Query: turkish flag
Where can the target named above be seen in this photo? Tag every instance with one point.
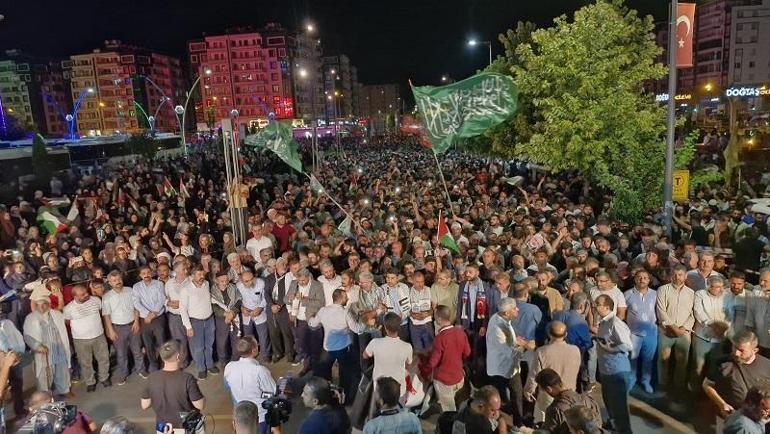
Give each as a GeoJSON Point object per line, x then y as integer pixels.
{"type": "Point", "coordinates": [685, 27]}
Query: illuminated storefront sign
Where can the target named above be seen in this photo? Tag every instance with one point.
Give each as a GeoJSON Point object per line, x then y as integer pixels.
{"type": "Point", "coordinates": [744, 91]}
{"type": "Point", "coordinates": [662, 97]}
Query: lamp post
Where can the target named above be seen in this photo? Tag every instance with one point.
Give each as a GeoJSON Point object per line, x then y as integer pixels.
{"type": "Point", "coordinates": [71, 118]}
{"type": "Point", "coordinates": [474, 42]}
{"type": "Point", "coordinates": [181, 111]}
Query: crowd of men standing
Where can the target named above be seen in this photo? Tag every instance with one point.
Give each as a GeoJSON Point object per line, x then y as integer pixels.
{"type": "Point", "coordinates": [540, 300]}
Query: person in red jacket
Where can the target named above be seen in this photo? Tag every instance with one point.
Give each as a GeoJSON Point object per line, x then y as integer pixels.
{"type": "Point", "coordinates": [449, 349]}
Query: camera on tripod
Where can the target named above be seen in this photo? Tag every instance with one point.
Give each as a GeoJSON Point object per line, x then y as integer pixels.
{"type": "Point", "coordinates": [51, 418]}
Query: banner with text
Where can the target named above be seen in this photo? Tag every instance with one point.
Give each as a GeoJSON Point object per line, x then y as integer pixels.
{"type": "Point", "coordinates": [466, 108]}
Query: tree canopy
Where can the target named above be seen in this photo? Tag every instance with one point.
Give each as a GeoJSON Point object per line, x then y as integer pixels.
{"type": "Point", "coordinates": [589, 110]}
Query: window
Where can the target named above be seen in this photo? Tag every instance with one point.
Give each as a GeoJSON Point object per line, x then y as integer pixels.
{"type": "Point", "coordinates": [193, 58]}
{"type": "Point", "coordinates": [274, 77]}
{"type": "Point", "coordinates": [737, 65]}
{"type": "Point", "coordinates": [275, 88]}
{"type": "Point", "coordinates": [751, 64]}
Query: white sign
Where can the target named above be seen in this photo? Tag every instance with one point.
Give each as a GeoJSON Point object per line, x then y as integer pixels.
{"type": "Point", "coordinates": [747, 91]}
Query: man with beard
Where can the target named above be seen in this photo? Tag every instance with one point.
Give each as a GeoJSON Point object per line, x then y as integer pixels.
{"type": "Point", "coordinates": [728, 387]}
{"type": "Point", "coordinates": [278, 324]}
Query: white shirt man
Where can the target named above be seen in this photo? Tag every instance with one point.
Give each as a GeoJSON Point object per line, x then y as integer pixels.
{"type": "Point", "coordinates": [195, 302]}
{"type": "Point", "coordinates": [121, 321]}
{"type": "Point", "coordinates": [330, 281]}
{"type": "Point", "coordinates": [257, 242]}
{"type": "Point", "coordinates": [247, 379]}
{"type": "Point", "coordinates": [391, 354]}
{"type": "Point", "coordinates": [85, 318]}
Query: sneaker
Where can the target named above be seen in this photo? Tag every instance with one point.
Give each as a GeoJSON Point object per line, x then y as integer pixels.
{"type": "Point", "coordinates": [202, 375]}
{"type": "Point", "coordinates": [143, 374]}
{"type": "Point", "coordinates": [648, 389]}
{"type": "Point", "coordinates": [107, 383]}
{"type": "Point", "coordinates": [122, 382]}
{"type": "Point", "coordinates": [214, 370]}
{"type": "Point", "coordinates": [91, 388]}
{"type": "Point", "coordinates": [296, 362]}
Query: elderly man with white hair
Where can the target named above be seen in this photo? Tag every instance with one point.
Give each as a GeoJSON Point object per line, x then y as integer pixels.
{"type": "Point", "coordinates": [46, 334]}
{"type": "Point", "coordinates": [710, 321]}
{"type": "Point", "coordinates": [504, 350]}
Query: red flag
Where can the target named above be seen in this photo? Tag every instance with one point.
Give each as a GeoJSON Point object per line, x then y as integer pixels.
{"type": "Point", "coordinates": [445, 237]}
{"type": "Point", "coordinates": [685, 27]}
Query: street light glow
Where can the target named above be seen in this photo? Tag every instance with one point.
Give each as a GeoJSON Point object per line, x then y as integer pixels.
{"type": "Point", "coordinates": [329, 97]}
{"type": "Point", "coordinates": [303, 72]}
{"type": "Point", "coordinates": [207, 71]}
{"type": "Point", "coordinates": [90, 90]}
{"type": "Point", "coordinates": [472, 42]}
{"type": "Point", "coordinates": [310, 27]}
{"type": "Point", "coordinates": [709, 86]}
{"type": "Point", "coordinates": [443, 78]}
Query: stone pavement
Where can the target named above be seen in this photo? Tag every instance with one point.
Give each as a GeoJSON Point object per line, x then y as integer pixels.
{"type": "Point", "coordinates": [124, 401]}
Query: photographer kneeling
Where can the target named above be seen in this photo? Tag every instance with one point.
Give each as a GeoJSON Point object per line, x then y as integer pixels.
{"type": "Point", "coordinates": [328, 416]}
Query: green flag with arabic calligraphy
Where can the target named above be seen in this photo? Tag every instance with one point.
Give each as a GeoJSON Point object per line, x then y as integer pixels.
{"type": "Point", "coordinates": [277, 137]}
{"type": "Point", "coordinates": [466, 108]}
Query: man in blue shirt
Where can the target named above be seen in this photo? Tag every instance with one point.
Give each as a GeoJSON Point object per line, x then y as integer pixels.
{"type": "Point", "coordinates": [392, 418]}
{"type": "Point", "coordinates": [614, 345]}
{"type": "Point", "coordinates": [579, 334]}
{"type": "Point", "coordinates": [528, 324]}
{"type": "Point", "coordinates": [644, 332]}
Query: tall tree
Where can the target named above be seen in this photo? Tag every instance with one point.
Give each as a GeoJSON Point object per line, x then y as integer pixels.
{"type": "Point", "coordinates": [41, 165]}
{"type": "Point", "coordinates": [585, 80]}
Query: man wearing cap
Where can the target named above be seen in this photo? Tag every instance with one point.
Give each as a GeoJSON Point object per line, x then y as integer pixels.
{"type": "Point", "coordinates": [46, 335]}
{"type": "Point", "coordinates": [150, 301]}
{"type": "Point", "coordinates": [226, 302]}
{"type": "Point", "coordinates": [278, 324]}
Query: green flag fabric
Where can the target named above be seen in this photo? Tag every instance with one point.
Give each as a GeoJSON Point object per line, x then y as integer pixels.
{"type": "Point", "coordinates": [466, 108]}
{"type": "Point", "coordinates": [277, 137]}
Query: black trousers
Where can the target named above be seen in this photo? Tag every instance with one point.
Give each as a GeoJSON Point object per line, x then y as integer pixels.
{"type": "Point", "coordinates": [281, 334]}
{"type": "Point", "coordinates": [511, 393]}
{"type": "Point", "coordinates": [153, 336]}
{"type": "Point", "coordinates": [16, 381]}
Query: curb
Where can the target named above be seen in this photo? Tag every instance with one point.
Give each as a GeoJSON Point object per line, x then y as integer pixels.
{"type": "Point", "coordinates": [637, 406]}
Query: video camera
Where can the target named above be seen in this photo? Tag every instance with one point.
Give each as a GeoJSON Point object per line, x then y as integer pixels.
{"type": "Point", "coordinates": [277, 404]}
{"type": "Point", "coordinates": [192, 421]}
{"type": "Point", "coordinates": [52, 418]}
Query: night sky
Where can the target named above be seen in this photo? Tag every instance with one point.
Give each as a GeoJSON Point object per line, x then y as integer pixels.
{"type": "Point", "coordinates": [388, 40]}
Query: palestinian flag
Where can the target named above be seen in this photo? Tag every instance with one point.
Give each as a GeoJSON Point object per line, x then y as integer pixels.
{"type": "Point", "coordinates": [183, 193]}
{"type": "Point", "coordinates": [445, 237]}
{"type": "Point", "coordinates": [50, 223]}
{"type": "Point", "coordinates": [168, 189]}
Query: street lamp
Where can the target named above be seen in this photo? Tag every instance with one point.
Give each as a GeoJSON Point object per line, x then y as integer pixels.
{"type": "Point", "coordinates": [70, 118]}
{"type": "Point", "coordinates": [444, 78]}
{"type": "Point", "coordinates": [475, 42]}
{"type": "Point", "coordinates": [182, 111]}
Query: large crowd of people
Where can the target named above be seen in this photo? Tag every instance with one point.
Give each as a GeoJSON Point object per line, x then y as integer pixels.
{"type": "Point", "coordinates": [540, 297]}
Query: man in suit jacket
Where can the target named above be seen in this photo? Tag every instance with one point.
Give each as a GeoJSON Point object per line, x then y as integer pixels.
{"type": "Point", "coordinates": [559, 356]}
{"type": "Point", "coordinates": [306, 298]}
{"type": "Point", "coordinates": [278, 323]}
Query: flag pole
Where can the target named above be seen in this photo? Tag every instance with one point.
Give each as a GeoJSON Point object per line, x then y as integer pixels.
{"type": "Point", "coordinates": [326, 192]}
{"type": "Point", "coordinates": [443, 181]}
{"type": "Point", "coordinates": [668, 203]}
